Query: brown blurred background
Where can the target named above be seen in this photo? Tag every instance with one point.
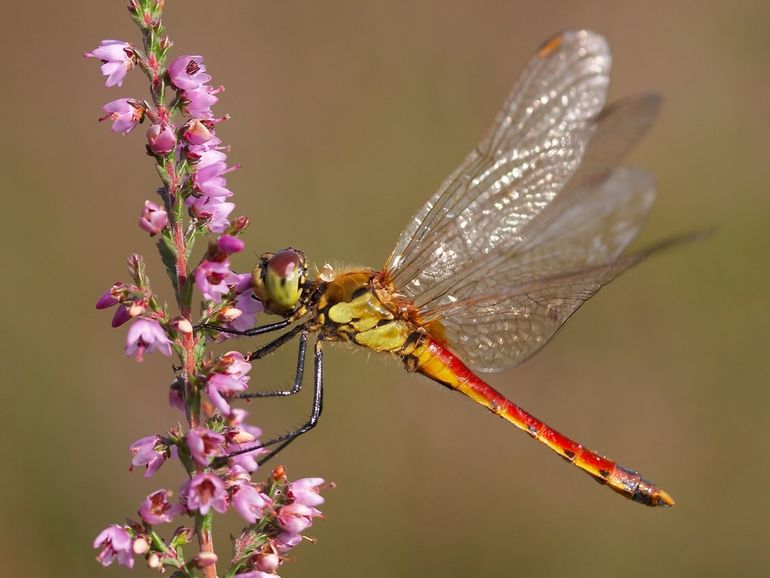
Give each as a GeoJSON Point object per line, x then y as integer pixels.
{"type": "Point", "coordinates": [346, 116]}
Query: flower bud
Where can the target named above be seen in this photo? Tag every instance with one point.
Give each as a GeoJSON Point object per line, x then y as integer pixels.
{"type": "Point", "coordinates": [238, 225]}
{"type": "Point", "coordinates": [229, 314]}
{"type": "Point", "coordinates": [243, 437]}
{"type": "Point", "coordinates": [137, 308]}
{"type": "Point", "coordinates": [268, 562]}
{"type": "Point", "coordinates": [182, 325]}
{"type": "Point", "coordinates": [153, 561]}
{"type": "Point", "coordinates": [161, 139]}
{"type": "Point", "coordinates": [154, 218]}
{"type": "Point", "coordinates": [279, 474]}
{"type": "Point", "coordinates": [141, 546]}
{"type": "Point", "coordinates": [197, 132]}
{"type": "Point", "coordinates": [121, 316]}
{"type": "Point", "coordinates": [107, 299]}
{"type": "Point", "coordinates": [136, 265]}
{"type": "Point", "coordinates": [229, 244]}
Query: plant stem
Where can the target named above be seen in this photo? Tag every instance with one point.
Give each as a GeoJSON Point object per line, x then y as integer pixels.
{"type": "Point", "coordinates": [205, 542]}
{"type": "Point", "coordinates": [189, 361]}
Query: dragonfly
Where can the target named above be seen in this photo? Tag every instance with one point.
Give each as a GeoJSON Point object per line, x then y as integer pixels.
{"type": "Point", "coordinates": [532, 223]}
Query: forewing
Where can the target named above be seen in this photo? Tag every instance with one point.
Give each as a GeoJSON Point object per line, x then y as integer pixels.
{"type": "Point", "coordinates": [533, 148]}
{"type": "Point", "coordinates": [597, 213]}
{"type": "Point", "coordinates": [590, 226]}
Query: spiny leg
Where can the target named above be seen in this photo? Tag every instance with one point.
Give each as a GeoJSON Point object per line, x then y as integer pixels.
{"type": "Point", "coordinates": [315, 413]}
{"type": "Point", "coordinates": [276, 343]}
{"type": "Point", "coordinates": [254, 331]}
{"type": "Point", "coordinates": [287, 438]}
{"type": "Point", "coordinates": [298, 376]}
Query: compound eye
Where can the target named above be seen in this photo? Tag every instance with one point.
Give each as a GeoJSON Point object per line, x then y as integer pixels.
{"type": "Point", "coordinates": [284, 278]}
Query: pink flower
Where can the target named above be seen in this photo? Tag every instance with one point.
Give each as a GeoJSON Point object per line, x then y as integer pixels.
{"type": "Point", "coordinates": [296, 517]}
{"type": "Point", "coordinates": [124, 113]}
{"type": "Point", "coordinates": [236, 421]}
{"type": "Point", "coordinates": [229, 244]}
{"type": "Point", "coordinates": [212, 277]}
{"type": "Point", "coordinates": [208, 180]}
{"type": "Point", "coordinates": [188, 72]}
{"type": "Point", "coordinates": [203, 492]}
{"type": "Point", "coordinates": [156, 508]}
{"type": "Point", "coordinates": [208, 153]}
{"type": "Point", "coordinates": [161, 138]}
{"type": "Point", "coordinates": [154, 218]}
{"type": "Point", "coordinates": [248, 502]}
{"type": "Point", "coordinates": [285, 541]}
{"type": "Point", "coordinates": [204, 444]}
{"type": "Point", "coordinates": [247, 303]}
{"type": "Point", "coordinates": [305, 491]}
{"type": "Point", "coordinates": [116, 544]}
{"type": "Point", "coordinates": [220, 385]}
{"type": "Point", "coordinates": [148, 451]}
{"type": "Point", "coordinates": [247, 461]}
{"type": "Point", "coordinates": [268, 561]}
{"type": "Point", "coordinates": [215, 209]}
{"type": "Point", "coordinates": [197, 133]}
{"type": "Point", "coordinates": [256, 574]}
{"type": "Point", "coordinates": [228, 381]}
{"type": "Point", "coordinates": [197, 102]}
{"type": "Point", "coordinates": [234, 363]}
{"type": "Point", "coordinates": [240, 436]}
{"type": "Point", "coordinates": [175, 398]}
{"type": "Point", "coordinates": [117, 59]}
{"type": "Point", "coordinates": [146, 335]}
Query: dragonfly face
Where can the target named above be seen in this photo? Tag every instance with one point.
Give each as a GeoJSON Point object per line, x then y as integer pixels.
{"type": "Point", "coordinates": [279, 281]}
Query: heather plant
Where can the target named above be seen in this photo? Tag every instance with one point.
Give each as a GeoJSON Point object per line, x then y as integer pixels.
{"type": "Point", "coordinates": [215, 446]}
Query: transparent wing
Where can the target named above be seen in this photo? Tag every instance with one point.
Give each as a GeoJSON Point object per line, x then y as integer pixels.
{"type": "Point", "coordinates": [496, 332]}
{"type": "Point", "coordinates": [492, 333]}
{"type": "Point", "coordinates": [597, 213]}
{"type": "Point", "coordinates": [496, 321]}
{"type": "Point", "coordinates": [532, 150]}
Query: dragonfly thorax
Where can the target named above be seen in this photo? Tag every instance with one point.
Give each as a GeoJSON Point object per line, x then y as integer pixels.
{"type": "Point", "coordinates": [279, 280]}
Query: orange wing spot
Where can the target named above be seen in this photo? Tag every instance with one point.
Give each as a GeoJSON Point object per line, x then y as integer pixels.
{"type": "Point", "coordinates": [550, 46]}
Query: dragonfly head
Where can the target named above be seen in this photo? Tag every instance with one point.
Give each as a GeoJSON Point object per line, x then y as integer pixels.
{"type": "Point", "coordinates": [279, 280]}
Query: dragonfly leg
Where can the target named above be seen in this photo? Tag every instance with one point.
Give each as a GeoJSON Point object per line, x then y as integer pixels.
{"type": "Point", "coordinates": [298, 376]}
{"type": "Point", "coordinates": [315, 413]}
{"type": "Point", "coordinates": [276, 343]}
{"type": "Point", "coordinates": [248, 332]}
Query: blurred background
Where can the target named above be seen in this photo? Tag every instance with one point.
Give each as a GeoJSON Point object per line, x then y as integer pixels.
{"type": "Point", "coordinates": [346, 116]}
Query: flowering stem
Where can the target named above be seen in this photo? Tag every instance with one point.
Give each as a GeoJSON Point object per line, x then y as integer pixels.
{"type": "Point", "coordinates": [217, 449]}
{"type": "Point", "coordinates": [205, 541]}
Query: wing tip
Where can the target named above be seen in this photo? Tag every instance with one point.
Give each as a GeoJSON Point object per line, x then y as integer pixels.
{"type": "Point", "coordinates": [583, 37]}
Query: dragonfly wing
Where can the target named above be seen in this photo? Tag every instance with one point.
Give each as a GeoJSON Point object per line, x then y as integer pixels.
{"type": "Point", "coordinates": [495, 319]}
{"type": "Point", "coordinates": [590, 227]}
{"type": "Point", "coordinates": [533, 148]}
{"type": "Point", "coordinates": [493, 333]}
{"type": "Point", "coordinates": [596, 214]}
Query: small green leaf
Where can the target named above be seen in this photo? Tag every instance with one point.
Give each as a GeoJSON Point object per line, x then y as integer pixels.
{"type": "Point", "coordinates": [167, 252]}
